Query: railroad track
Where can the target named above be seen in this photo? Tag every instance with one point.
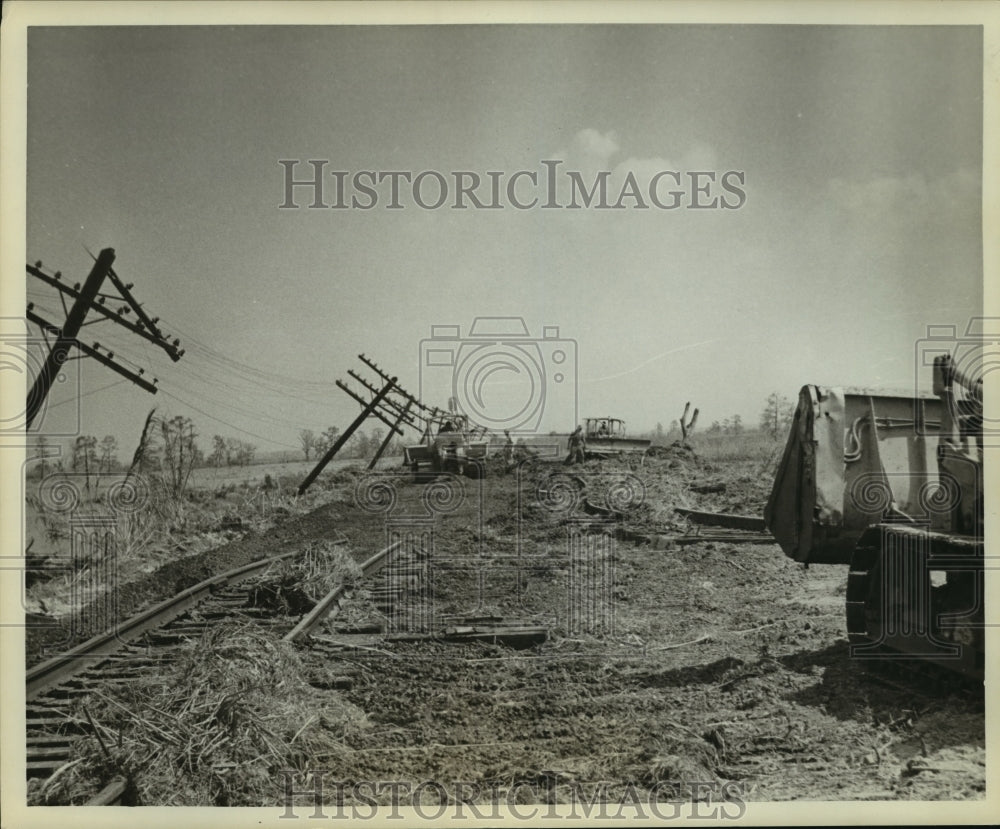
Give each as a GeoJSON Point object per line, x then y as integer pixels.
{"type": "Point", "coordinates": [701, 527]}
{"type": "Point", "coordinates": [148, 641]}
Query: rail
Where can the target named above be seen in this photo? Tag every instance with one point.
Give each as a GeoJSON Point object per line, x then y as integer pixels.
{"type": "Point", "coordinates": [51, 672]}
{"type": "Point", "coordinates": [331, 603]}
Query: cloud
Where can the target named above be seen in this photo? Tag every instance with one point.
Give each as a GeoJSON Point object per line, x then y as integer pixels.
{"type": "Point", "coordinates": [590, 142]}
{"type": "Point", "coordinates": [592, 152]}
{"type": "Point", "coordinates": [908, 198]}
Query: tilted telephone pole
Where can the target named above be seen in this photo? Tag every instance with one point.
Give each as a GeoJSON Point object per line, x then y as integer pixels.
{"type": "Point", "coordinates": [333, 450]}
{"type": "Point", "coordinates": [85, 300]}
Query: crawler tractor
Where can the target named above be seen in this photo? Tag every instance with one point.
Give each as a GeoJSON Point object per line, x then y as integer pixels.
{"type": "Point", "coordinates": [893, 487]}
{"type": "Point", "coordinates": [448, 444]}
{"type": "Point", "coordinates": [606, 436]}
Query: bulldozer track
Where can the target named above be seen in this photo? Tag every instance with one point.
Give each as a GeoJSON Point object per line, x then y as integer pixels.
{"type": "Point", "coordinates": [148, 642]}
{"type": "Point", "coordinates": [867, 639]}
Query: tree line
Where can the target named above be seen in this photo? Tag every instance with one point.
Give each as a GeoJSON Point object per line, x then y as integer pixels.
{"type": "Point", "coordinates": [169, 445]}
{"type": "Point", "coordinates": [775, 420]}
{"type": "Point", "coordinates": [360, 445]}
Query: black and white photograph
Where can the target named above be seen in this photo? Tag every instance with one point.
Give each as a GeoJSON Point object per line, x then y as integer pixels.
{"type": "Point", "coordinates": [498, 413]}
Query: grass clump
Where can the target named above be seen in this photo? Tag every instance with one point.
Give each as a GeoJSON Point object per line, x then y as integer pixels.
{"type": "Point", "coordinates": [295, 585]}
{"type": "Point", "coordinates": [221, 729]}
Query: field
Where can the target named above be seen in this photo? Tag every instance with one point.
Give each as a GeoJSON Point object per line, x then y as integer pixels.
{"type": "Point", "coordinates": [219, 504]}
{"type": "Point", "coordinates": [667, 667]}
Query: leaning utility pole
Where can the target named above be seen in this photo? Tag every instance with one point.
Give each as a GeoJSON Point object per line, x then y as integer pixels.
{"type": "Point", "coordinates": [89, 298]}
{"type": "Point", "coordinates": [407, 411]}
{"type": "Point", "coordinates": [333, 450]}
{"type": "Point", "coordinates": [67, 337]}
{"type": "Point", "coordinates": [388, 437]}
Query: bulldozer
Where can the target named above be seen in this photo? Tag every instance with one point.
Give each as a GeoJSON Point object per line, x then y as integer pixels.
{"type": "Point", "coordinates": [892, 486]}
{"type": "Point", "coordinates": [449, 443]}
{"type": "Point", "coordinates": [606, 436]}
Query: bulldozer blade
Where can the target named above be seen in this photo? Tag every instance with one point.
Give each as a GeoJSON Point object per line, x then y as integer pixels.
{"type": "Point", "coordinates": [851, 457]}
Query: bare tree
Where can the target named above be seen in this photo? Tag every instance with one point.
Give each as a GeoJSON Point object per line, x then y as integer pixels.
{"type": "Point", "coordinates": [357, 446]}
{"type": "Point", "coordinates": [179, 451]}
{"type": "Point", "coordinates": [109, 453]}
{"type": "Point", "coordinates": [308, 440]}
{"type": "Point", "coordinates": [687, 428]}
{"type": "Point", "coordinates": [85, 457]}
{"type": "Point", "coordinates": [218, 456]}
{"type": "Point", "coordinates": [84, 453]}
{"type": "Point", "coordinates": [239, 452]}
{"type": "Point", "coordinates": [328, 438]}
{"type": "Point", "coordinates": [247, 453]}
{"type": "Point", "coordinates": [42, 453]}
{"type": "Point", "coordinates": [777, 415]}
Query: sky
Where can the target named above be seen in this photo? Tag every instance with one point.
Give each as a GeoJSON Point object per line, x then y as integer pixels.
{"type": "Point", "coordinates": [855, 154]}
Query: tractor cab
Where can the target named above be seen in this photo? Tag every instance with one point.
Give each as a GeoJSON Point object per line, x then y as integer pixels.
{"type": "Point", "coordinates": [606, 436]}
{"type": "Point", "coordinates": [604, 427]}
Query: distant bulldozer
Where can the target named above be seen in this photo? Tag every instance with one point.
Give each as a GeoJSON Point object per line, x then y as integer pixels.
{"type": "Point", "coordinates": [606, 436]}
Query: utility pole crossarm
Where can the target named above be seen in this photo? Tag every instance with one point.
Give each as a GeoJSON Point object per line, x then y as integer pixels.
{"type": "Point", "coordinates": [97, 355]}
{"type": "Point", "coordinates": [388, 402]}
{"type": "Point", "coordinates": [126, 292]}
{"type": "Point", "coordinates": [156, 338]}
{"type": "Point", "coordinates": [375, 410]}
{"type": "Point", "coordinates": [398, 389]}
{"type": "Point", "coordinates": [87, 298]}
{"type": "Point", "coordinates": [430, 411]}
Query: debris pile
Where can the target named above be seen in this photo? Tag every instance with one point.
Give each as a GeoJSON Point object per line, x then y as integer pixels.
{"type": "Point", "coordinates": [233, 712]}
{"type": "Point", "coordinates": [295, 585]}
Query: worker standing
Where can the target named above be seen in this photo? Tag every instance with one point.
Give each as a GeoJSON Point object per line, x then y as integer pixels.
{"type": "Point", "coordinates": [577, 444]}
{"type": "Point", "coordinates": [508, 449]}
